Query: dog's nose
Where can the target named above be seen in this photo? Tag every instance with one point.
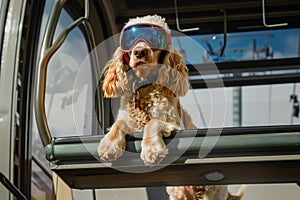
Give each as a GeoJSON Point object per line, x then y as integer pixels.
{"type": "Point", "coordinates": [140, 52]}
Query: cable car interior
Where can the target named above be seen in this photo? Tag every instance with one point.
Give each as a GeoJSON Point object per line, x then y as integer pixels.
{"type": "Point", "coordinates": [243, 59]}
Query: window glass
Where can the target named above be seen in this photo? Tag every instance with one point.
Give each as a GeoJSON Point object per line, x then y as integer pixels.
{"type": "Point", "coordinates": [1, 28]}
{"type": "Point", "coordinates": [69, 105]}
{"type": "Point", "coordinates": [0, 4]}
{"type": "Point", "coordinates": [243, 106]}
{"type": "Point", "coordinates": [63, 94]}
{"type": "Point", "coordinates": [273, 44]}
{"type": "Point", "coordinates": [41, 183]}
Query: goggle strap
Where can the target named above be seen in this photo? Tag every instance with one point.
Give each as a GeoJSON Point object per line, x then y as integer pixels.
{"type": "Point", "coordinates": [162, 56]}
{"type": "Point", "coordinates": [126, 57]}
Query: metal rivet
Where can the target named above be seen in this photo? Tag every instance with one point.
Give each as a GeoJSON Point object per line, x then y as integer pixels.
{"type": "Point", "coordinates": [214, 176]}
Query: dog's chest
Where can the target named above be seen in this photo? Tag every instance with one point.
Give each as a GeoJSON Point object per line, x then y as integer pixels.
{"type": "Point", "coordinates": [143, 107]}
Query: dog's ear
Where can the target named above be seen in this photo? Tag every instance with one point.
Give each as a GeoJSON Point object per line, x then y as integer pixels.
{"type": "Point", "coordinates": [115, 80]}
{"type": "Point", "coordinates": [173, 75]}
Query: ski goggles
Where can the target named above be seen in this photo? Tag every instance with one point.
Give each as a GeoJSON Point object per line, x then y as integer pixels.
{"type": "Point", "coordinates": [153, 35]}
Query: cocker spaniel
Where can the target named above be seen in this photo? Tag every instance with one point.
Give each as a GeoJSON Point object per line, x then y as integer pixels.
{"type": "Point", "coordinates": [149, 76]}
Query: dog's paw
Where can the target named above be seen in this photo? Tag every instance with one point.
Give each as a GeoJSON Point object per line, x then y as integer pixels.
{"type": "Point", "coordinates": [111, 150]}
{"type": "Point", "coordinates": [153, 151]}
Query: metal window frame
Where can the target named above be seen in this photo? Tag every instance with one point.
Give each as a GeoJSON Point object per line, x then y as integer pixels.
{"type": "Point", "coordinates": [266, 154]}
{"type": "Point", "coordinates": [13, 189]}
{"type": "Point", "coordinates": [79, 169]}
{"type": "Point", "coordinates": [48, 49]}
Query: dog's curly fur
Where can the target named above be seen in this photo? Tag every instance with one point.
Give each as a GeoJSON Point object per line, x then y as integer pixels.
{"type": "Point", "coordinates": [208, 192]}
{"type": "Point", "coordinates": [159, 111]}
{"type": "Point", "coordinates": [153, 109]}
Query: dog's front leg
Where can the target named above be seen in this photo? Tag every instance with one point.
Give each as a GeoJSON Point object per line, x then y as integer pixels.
{"type": "Point", "coordinates": [113, 144]}
{"type": "Point", "coordinates": [153, 146]}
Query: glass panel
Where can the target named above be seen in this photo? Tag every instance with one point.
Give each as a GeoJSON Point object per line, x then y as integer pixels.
{"type": "Point", "coordinates": [1, 28]}
{"type": "Point", "coordinates": [63, 93]}
{"type": "Point", "coordinates": [269, 105]}
{"type": "Point", "coordinates": [243, 106]}
{"type": "Point", "coordinates": [83, 194]}
{"type": "Point", "coordinates": [122, 194]}
{"type": "Point", "coordinates": [273, 44]}
{"type": "Point", "coordinates": [41, 184]}
{"type": "Point", "coordinates": [271, 191]}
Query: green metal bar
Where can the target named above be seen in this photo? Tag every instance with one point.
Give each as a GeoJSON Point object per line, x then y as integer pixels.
{"type": "Point", "coordinates": [226, 146]}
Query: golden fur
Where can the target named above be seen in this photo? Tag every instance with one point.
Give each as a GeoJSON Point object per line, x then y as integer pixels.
{"type": "Point", "coordinates": [209, 192]}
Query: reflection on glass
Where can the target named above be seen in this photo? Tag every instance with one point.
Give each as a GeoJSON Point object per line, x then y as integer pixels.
{"type": "Point", "coordinates": [61, 93]}
{"type": "Point", "coordinates": [41, 185]}
{"type": "Point", "coordinates": [69, 105]}
{"type": "Point", "coordinates": [243, 106]}
{"type": "Point", "coordinates": [244, 46]}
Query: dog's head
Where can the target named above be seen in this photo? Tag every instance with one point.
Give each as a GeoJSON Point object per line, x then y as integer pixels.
{"type": "Point", "coordinates": [146, 56]}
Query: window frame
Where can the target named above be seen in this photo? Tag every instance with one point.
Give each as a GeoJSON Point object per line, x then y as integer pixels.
{"type": "Point", "coordinates": [100, 176]}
